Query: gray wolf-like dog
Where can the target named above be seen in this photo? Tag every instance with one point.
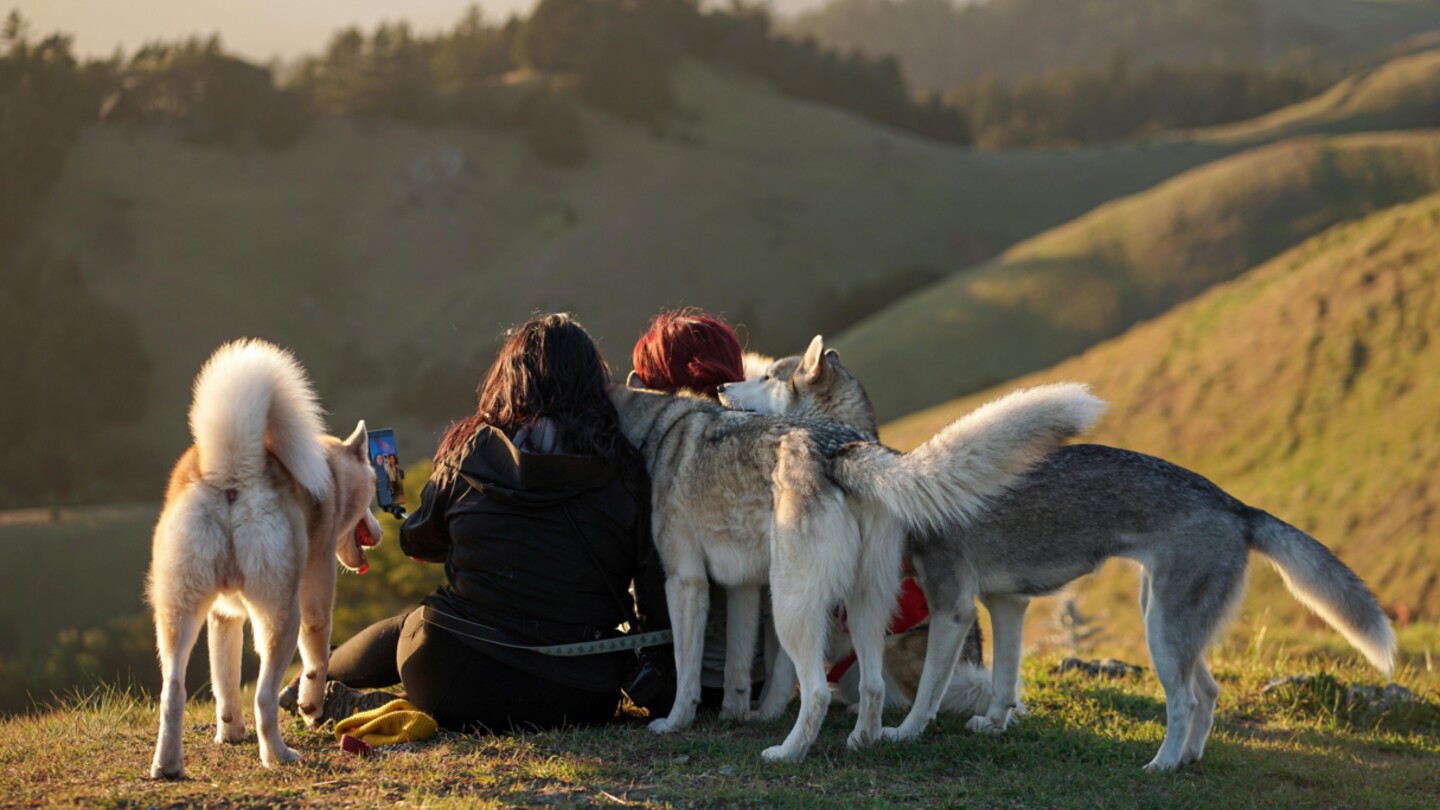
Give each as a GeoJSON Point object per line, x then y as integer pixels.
{"type": "Point", "coordinates": [1079, 507]}
{"type": "Point", "coordinates": [820, 511]}
{"type": "Point", "coordinates": [255, 514]}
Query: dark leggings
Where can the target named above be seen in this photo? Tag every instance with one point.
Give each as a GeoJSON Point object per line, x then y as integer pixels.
{"type": "Point", "coordinates": [460, 687]}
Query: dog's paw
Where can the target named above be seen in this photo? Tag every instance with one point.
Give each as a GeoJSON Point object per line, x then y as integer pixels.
{"type": "Point", "coordinates": [779, 753]}
{"type": "Point", "coordinates": [900, 733]}
{"type": "Point", "coordinates": [230, 733]}
{"type": "Point", "coordinates": [859, 739]}
{"type": "Point", "coordinates": [1156, 766]}
{"type": "Point", "coordinates": [664, 726]}
{"type": "Point", "coordinates": [736, 713]}
{"type": "Point", "coordinates": [981, 724]}
{"type": "Point", "coordinates": [283, 756]}
{"type": "Point", "coordinates": [159, 770]}
{"type": "Point", "coordinates": [1020, 710]}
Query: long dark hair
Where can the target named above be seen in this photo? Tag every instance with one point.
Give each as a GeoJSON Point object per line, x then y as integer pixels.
{"type": "Point", "coordinates": [549, 367]}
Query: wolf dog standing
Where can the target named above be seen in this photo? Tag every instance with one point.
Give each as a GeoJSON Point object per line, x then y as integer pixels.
{"type": "Point", "coordinates": [821, 510]}
{"type": "Point", "coordinates": [254, 513]}
{"type": "Point", "coordinates": [1077, 508]}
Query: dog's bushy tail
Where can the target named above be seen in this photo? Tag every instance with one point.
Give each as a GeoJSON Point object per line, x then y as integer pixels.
{"type": "Point", "coordinates": [248, 391]}
{"type": "Point", "coordinates": [1327, 586]}
{"type": "Point", "coordinates": [949, 480]}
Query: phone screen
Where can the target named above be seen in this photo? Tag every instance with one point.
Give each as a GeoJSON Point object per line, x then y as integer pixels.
{"type": "Point", "coordinates": [389, 475]}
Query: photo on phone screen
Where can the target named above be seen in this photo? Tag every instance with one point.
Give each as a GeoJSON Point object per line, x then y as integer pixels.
{"type": "Point", "coordinates": [389, 475]}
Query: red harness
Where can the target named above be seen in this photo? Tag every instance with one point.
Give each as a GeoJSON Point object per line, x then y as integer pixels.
{"type": "Point", "coordinates": [910, 610]}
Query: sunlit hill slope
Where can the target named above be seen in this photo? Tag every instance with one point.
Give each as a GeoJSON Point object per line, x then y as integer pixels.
{"type": "Point", "coordinates": [1058, 293]}
{"type": "Point", "coordinates": [1307, 387]}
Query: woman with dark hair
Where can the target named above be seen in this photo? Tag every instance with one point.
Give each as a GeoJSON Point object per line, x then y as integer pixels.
{"type": "Point", "coordinates": [539, 509]}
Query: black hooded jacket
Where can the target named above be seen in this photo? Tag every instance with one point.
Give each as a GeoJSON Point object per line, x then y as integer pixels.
{"type": "Point", "coordinates": [544, 548]}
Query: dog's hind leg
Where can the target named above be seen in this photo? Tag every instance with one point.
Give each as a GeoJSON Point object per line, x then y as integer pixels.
{"type": "Point", "coordinates": [277, 627]}
{"type": "Point", "coordinates": [176, 630]}
{"type": "Point", "coordinates": [1207, 693]}
{"type": "Point", "coordinates": [742, 625]}
{"type": "Point", "coordinates": [1007, 625]}
{"type": "Point", "coordinates": [226, 637]}
{"type": "Point", "coordinates": [952, 614]}
{"type": "Point", "coordinates": [801, 623]}
{"type": "Point", "coordinates": [688, 593]}
{"type": "Point", "coordinates": [317, 602]}
{"type": "Point", "coordinates": [1174, 666]}
{"type": "Point", "coordinates": [868, 608]}
{"type": "Point", "coordinates": [779, 678]}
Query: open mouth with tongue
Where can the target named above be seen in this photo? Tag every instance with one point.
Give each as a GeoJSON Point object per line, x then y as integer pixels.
{"type": "Point", "coordinates": [363, 538]}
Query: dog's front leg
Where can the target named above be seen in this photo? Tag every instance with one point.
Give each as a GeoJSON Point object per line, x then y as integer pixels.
{"type": "Point", "coordinates": [317, 603]}
{"type": "Point", "coordinates": [742, 623]}
{"type": "Point", "coordinates": [688, 595]}
{"type": "Point", "coordinates": [1007, 624]}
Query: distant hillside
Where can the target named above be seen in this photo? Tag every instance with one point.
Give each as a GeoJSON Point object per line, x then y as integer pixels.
{"type": "Point", "coordinates": [390, 256]}
{"type": "Point", "coordinates": [1403, 93]}
{"type": "Point", "coordinates": [941, 44]}
{"type": "Point", "coordinates": [1058, 293]}
{"type": "Point", "coordinates": [1307, 387]}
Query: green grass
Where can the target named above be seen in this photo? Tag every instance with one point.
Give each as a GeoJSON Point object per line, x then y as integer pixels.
{"type": "Point", "coordinates": [1059, 293]}
{"type": "Point", "coordinates": [1082, 747]}
{"type": "Point", "coordinates": [1307, 387]}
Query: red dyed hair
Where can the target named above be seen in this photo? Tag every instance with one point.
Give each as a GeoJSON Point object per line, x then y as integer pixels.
{"type": "Point", "coordinates": [687, 348]}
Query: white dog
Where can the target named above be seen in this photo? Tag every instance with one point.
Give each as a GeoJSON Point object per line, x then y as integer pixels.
{"type": "Point", "coordinates": [253, 514]}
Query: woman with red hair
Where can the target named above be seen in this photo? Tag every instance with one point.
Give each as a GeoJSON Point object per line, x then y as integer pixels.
{"type": "Point", "coordinates": [687, 348]}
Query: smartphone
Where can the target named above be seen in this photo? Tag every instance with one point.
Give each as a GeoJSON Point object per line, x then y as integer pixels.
{"type": "Point", "coordinates": [389, 475]}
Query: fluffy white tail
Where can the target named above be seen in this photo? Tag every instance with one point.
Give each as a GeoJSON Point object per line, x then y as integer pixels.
{"type": "Point", "coordinates": [949, 480]}
{"type": "Point", "coordinates": [248, 389]}
{"type": "Point", "coordinates": [1327, 586]}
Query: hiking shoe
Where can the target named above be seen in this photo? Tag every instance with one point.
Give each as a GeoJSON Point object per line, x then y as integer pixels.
{"type": "Point", "coordinates": [290, 699]}
{"type": "Point", "coordinates": [341, 701]}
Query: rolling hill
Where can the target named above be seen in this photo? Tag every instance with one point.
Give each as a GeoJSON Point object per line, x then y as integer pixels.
{"type": "Point", "coordinates": [1403, 93]}
{"type": "Point", "coordinates": [1062, 291]}
{"type": "Point", "coordinates": [941, 44]}
{"type": "Point", "coordinates": [1307, 387]}
{"type": "Point", "coordinates": [391, 256]}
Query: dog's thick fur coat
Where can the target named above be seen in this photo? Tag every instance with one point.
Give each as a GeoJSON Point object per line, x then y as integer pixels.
{"type": "Point", "coordinates": [256, 511]}
{"type": "Point", "coordinates": [1077, 508]}
{"type": "Point", "coordinates": [820, 511]}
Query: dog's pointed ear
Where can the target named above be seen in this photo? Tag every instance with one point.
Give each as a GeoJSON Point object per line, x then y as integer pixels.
{"type": "Point", "coordinates": [832, 355]}
{"type": "Point", "coordinates": [632, 380]}
{"type": "Point", "coordinates": [359, 441]}
{"type": "Point", "coordinates": [811, 365]}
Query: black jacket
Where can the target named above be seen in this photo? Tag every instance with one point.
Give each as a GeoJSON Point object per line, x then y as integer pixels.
{"type": "Point", "coordinates": [543, 547]}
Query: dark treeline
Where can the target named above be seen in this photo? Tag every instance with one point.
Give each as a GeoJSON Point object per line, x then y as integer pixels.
{"type": "Point", "coordinates": [1086, 105]}
{"type": "Point", "coordinates": [613, 55]}
{"type": "Point", "coordinates": [947, 43]}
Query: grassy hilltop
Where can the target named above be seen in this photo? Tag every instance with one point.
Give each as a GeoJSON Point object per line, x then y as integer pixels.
{"type": "Point", "coordinates": [391, 271]}
{"type": "Point", "coordinates": [1403, 93]}
{"type": "Point", "coordinates": [1082, 747]}
{"type": "Point", "coordinates": [1306, 387]}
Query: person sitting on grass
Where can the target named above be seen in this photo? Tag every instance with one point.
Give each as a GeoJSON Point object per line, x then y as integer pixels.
{"type": "Point", "coordinates": [540, 511]}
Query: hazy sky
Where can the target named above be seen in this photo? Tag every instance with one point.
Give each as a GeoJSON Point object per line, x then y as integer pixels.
{"type": "Point", "coordinates": [258, 29]}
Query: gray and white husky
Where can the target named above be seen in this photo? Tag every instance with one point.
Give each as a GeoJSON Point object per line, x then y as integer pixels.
{"type": "Point", "coordinates": [820, 510]}
{"type": "Point", "coordinates": [256, 512]}
{"type": "Point", "coordinates": [1079, 507]}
